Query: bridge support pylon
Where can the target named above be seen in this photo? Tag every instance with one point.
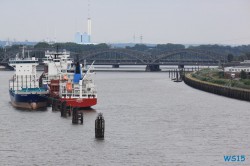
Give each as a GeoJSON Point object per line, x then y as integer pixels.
{"type": "Point", "coordinates": [115, 66]}
{"type": "Point", "coordinates": [153, 68]}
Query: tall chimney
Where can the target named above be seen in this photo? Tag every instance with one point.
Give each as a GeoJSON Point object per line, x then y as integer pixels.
{"type": "Point", "coordinates": [89, 26]}
{"type": "Point", "coordinates": [89, 29]}
{"type": "Point", "coordinates": [89, 22]}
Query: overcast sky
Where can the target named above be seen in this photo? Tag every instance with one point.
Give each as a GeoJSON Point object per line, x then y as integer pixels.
{"type": "Point", "coordinates": [158, 21]}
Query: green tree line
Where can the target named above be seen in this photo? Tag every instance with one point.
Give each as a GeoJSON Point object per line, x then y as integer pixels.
{"type": "Point", "coordinates": [237, 53]}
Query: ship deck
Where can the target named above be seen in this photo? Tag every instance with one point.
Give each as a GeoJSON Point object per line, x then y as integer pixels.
{"type": "Point", "coordinates": [32, 90]}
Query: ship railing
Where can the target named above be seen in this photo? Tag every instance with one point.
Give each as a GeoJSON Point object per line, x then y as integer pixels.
{"type": "Point", "coordinates": [18, 58]}
{"type": "Point", "coordinates": [23, 60]}
{"type": "Point", "coordinates": [71, 95]}
{"type": "Point", "coordinates": [51, 53]}
{"type": "Point", "coordinates": [75, 93]}
{"type": "Point", "coordinates": [65, 59]}
{"type": "Point", "coordinates": [53, 76]}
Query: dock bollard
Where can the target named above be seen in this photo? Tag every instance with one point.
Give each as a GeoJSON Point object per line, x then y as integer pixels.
{"type": "Point", "coordinates": [77, 116]}
{"type": "Point", "coordinates": [99, 126]}
{"type": "Point", "coordinates": [64, 109]}
{"type": "Point", "coordinates": [68, 110]}
{"type": "Point", "coordinates": [80, 117]}
{"type": "Point", "coordinates": [53, 105]}
{"type": "Point", "coordinates": [58, 105]}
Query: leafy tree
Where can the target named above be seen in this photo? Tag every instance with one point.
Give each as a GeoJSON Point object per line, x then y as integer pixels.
{"type": "Point", "coordinates": [243, 74]}
{"type": "Point", "coordinates": [230, 57]}
{"type": "Point", "coordinates": [140, 47]}
{"type": "Point", "coordinates": [42, 45]}
{"type": "Point", "coordinates": [169, 47]}
{"type": "Point", "coordinates": [248, 55]}
{"type": "Point", "coordinates": [242, 57]}
{"type": "Point", "coordinates": [73, 47]}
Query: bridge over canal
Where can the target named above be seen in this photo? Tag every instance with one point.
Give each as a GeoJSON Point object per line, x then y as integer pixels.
{"type": "Point", "coordinates": [117, 57]}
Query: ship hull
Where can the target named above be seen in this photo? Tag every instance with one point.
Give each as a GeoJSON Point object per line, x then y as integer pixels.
{"type": "Point", "coordinates": [80, 102]}
{"type": "Point", "coordinates": [28, 101]}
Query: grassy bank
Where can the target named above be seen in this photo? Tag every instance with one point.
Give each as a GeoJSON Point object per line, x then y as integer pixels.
{"type": "Point", "coordinates": [216, 76]}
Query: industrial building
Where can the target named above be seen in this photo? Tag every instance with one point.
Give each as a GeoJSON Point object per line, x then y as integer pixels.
{"type": "Point", "coordinates": [84, 38]}
{"type": "Point", "coordinates": [234, 71]}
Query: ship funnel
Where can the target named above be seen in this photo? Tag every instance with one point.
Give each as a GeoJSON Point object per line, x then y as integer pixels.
{"type": "Point", "coordinates": [78, 68]}
{"type": "Point", "coordinates": [78, 74]}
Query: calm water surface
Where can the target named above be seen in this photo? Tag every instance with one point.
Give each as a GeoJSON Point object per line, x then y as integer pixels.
{"type": "Point", "coordinates": [150, 120]}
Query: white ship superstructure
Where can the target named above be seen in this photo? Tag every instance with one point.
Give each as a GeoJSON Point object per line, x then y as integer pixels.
{"type": "Point", "coordinates": [56, 63]}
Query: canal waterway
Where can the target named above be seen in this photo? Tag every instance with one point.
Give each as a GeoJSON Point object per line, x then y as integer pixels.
{"type": "Point", "coordinates": [150, 120]}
